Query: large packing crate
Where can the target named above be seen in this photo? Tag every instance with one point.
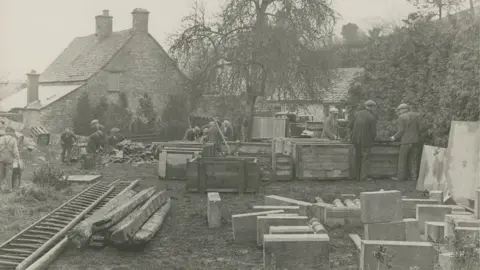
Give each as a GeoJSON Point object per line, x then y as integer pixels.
{"type": "Point", "coordinates": [384, 160]}
{"type": "Point", "coordinates": [223, 174]}
{"type": "Point", "coordinates": [208, 148]}
{"type": "Point", "coordinates": [172, 162]}
{"type": "Point", "coordinates": [41, 135]}
{"type": "Point", "coordinates": [323, 161]}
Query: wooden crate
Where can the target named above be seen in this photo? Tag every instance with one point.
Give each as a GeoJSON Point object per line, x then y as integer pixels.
{"type": "Point", "coordinates": [208, 148]}
{"type": "Point", "coordinates": [172, 162]}
{"type": "Point", "coordinates": [323, 161]}
{"type": "Point", "coordinates": [283, 168]}
{"type": "Point", "coordinates": [384, 160]}
{"type": "Point", "coordinates": [223, 174]}
{"type": "Point", "coordinates": [247, 147]}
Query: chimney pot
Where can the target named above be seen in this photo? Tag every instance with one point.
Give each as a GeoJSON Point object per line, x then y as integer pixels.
{"type": "Point", "coordinates": [32, 86]}
{"type": "Point", "coordinates": [140, 20]}
{"type": "Point", "coordinates": [103, 24]}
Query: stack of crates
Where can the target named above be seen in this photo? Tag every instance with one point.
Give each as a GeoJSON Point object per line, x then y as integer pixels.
{"type": "Point", "coordinates": [41, 135]}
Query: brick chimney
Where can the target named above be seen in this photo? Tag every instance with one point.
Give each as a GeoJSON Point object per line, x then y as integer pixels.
{"type": "Point", "coordinates": [103, 24]}
{"type": "Point", "coordinates": [140, 20]}
{"type": "Point", "coordinates": [32, 86]}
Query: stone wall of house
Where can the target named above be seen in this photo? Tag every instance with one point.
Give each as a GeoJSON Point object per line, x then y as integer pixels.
{"type": "Point", "coordinates": [59, 115]}
{"type": "Point", "coordinates": [145, 68]}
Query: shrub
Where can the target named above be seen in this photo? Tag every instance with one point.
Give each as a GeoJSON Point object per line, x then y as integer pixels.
{"type": "Point", "coordinates": [49, 175]}
{"type": "Point", "coordinates": [83, 116]}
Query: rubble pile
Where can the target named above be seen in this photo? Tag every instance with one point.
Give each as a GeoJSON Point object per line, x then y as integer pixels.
{"type": "Point", "coordinates": [132, 152]}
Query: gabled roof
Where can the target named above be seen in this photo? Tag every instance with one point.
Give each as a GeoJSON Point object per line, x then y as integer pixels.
{"type": "Point", "coordinates": [47, 94]}
{"type": "Point", "coordinates": [84, 56]}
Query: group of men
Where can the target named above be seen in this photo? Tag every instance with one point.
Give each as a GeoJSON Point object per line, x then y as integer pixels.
{"type": "Point", "coordinates": [214, 131]}
{"type": "Point", "coordinates": [96, 142]}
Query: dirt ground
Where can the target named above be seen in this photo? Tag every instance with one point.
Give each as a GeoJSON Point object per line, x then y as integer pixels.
{"type": "Point", "coordinates": [184, 241]}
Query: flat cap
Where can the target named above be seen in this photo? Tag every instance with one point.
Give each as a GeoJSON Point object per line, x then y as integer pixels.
{"type": "Point", "coordinates": [115, 129]}
{"type": "Point", "coordinates": [403, 106]}
{"type": "Point", "coordinates": [94, 121]}
{"type": "Point", "coordinates": [333, 110]}
{"type": "Point", "coordinates": [370, 103]}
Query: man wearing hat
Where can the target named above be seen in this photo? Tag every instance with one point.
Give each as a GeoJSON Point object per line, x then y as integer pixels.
{"type": "Point", "coordinates": [96, 126]}
{"type": "Point", "coordinates": [9, 155]}
{"type": "Point", "coordinates": [330, 126]}
{"type": "Point", "coordinates": [364, 132]}
{"type": "Point", "coordinates": [67, 140]}
{"type": "Point", "coordinates": [115, 137]}
{"type": "Point", "coordinates": [227, 130]}
{"type": "Point", "coordinates": [408, 132]}
{"type": "Point", "coordinates": [192, 134]}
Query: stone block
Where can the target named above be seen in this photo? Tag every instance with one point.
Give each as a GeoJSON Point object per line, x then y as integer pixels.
{"type": "Point", "coordinates": [291, 230]}
{"type": "Point", "coordinates": [293, 209]}
{"type": "Point", "coordinates": [410, 206]}
{"type": "Point", "coordinates": [245, 225]}
{"type": "Point", "coordinates": [451, 219]}
{"type": "Point", "coordinates": [412, 233]}
{"type": "Point", "coordinates": [436, 195]}
{"type": "Point", "coordinates": [433, 213]}
{"type": "Point", "coordinates": [405, 255]}
{"type": "Point", "coordinates": [214, 212]}
{"type": "Point", "coordinates": [344, 197]}
{"type": "Point", "coordinates": [296, 251]}
{"type": "Point", "coordinates": [381, 206]}
{"type": "Point", "coordinates": [477, 203]}
{"type": "Point", "coordinates": [390, 231]}
{"type": "Point", "coordinates": [434, 230]}
{"type": "Point", "coordinates": [446, 260]}
{"type": "Point", "coordinates": [283, 214]}
{"type": "Point", "coordinates": [468, 232]}
{"type": "Point", "coordinates": [279, 200]}
{"type": "Point", "coordinates": [264, 223]}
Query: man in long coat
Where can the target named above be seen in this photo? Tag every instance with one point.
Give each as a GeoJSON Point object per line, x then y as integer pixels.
{"type": "Point", "coordinates": [408, 132]}
{"type": "Point", "coordinates": [364, 132]}
{"type": "Point", "coordinates": [330, 126]}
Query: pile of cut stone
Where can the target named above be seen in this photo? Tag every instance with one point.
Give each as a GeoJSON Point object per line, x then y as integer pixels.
{"type": "Point", "coordinates": [404, 233]}
{"type": "Point", "coordinates": [132, 152]}
{"type": "Point", "coordinates": [129, 219]}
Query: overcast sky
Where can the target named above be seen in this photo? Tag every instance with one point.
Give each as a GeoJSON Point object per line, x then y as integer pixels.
{"type": "Point", "coordinates": [34, 33]}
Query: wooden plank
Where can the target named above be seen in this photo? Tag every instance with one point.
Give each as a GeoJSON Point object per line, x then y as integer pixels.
{"type": "Point", "coordinates": [153, 224]}
{"type": "Point", "coordinates": [356, 240]}
{"type": "Point", "coordinates": [128, 227]}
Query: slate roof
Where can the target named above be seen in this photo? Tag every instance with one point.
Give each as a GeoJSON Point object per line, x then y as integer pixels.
{"type": "Point", "coordinates": [47, 94]}
{"type": "Point", "coordinates": [337, 93]}
{"type": "Point", "coordinates": [84, 56]}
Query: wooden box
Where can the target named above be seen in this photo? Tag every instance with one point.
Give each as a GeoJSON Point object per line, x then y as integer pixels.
{"type": "Point", "coordinates": [172, 162]}
{"type": "Point", "coordinates": [384, 160]}
{"type": "Point", "coordinates": [223, 174]}
{"type": "Point", "coordinates": [41, 135]}
{"type": "Point", "coordinates": [323, 161]}
{"type": "Point", "coordinates": [208, 148]}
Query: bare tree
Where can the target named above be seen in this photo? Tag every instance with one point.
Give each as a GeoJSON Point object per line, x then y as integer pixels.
{"type": "Point", "coordinates": [256, 48]}
{"type": "Point", "coordinates": [440, 5]}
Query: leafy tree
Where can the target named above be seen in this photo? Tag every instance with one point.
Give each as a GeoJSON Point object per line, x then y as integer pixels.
{"type": "Point", "coordinates": [440, 5]}
{"type": "Point", "coordinates": [428, 64]}
{"type": "Point", "coordinates": [260, 47]}
{"type": "Point", "coordinates": [350, 33]}
{"type": "Point", "coordinates": [83, 116]}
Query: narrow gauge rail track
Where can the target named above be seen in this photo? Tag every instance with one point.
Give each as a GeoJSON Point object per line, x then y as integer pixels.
{"type": "Point", "coordinates": [24, 248]}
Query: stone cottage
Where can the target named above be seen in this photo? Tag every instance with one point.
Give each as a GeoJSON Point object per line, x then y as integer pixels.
{"type": "Point", "coordinates": [121, 65]}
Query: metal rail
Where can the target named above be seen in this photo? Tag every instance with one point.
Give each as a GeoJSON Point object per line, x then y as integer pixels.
{"type": "Point", "coordinates": [29, 244]}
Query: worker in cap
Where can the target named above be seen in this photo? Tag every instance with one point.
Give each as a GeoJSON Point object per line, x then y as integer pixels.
{"type": "Point", "coordinates": [115, 137]}
{"type": "Point", "coordinates": [192, 134]}
{"type": "Point", "coordinates": [67, 140]}
{"type": "Point", "coordinates": [9, 155]}
{"type": "Point", "coordinates": [330, 125]}
{"type": "Point", "coordinates": [409, 135]}
{"type": "Point", "coordinates": [227, 130]}
{"type": "Point", "coordinates": [364, 132]}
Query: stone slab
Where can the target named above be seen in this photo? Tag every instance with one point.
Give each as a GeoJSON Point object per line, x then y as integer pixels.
{"type": "Point", "coordinates": [291, 230]}
{"type": "Point", "coordinates": [434, 230]}
{"type": "Point", "coordinates": [477, 202]}
{"type": "Point", "coordinates": [264, 223]}
{"type": "Point", "coordinates": [405, 255]}
{"type": "Point", "coordinates": [410, 206]}
{"type": "Point", "coordinates": [296, 251]}
{"type": "Point", "coordinates": [83, 178]}
{"type": "Point", "coordinates": [390, 231]}
{"type": "Point", "coordinates": [245, 225]}
{"type": "Point", "coordinates": [214, 210]}
{"type": "Point", "coordinates": [283, 214]}
{"type": "Point", "coordinates": [381, 206]}
{"type": "Point", "coordinates": [436, 195]}
{"type": "Point", "coordinates": [412, 233]}
{"type": "Point", "coordinates": [279, 200]}
{"type": "Point", "coordinates": [348, 196]}
{"type": "Point", "coordinates": [446, 260]}
{"type": "Point", "coordinates": [451, 219]}
{"type": "Point", "coordinates": [294, 209]}
{"type": "Point", "coordinates": [356, 240]}
{"type": "Point", "coordinates": [434, 213]}
{"type": "Point", "coordinates": [464, 232]}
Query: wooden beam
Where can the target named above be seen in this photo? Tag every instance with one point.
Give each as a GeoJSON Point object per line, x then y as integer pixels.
{"type": "Point", "coordinates": [356, 240]}
{"type": "Point", "coordinates": [131, 225]}
{"type": "Point", "coordinates": [50, 256]}
{"type": "Point", "coordinates": [153, 224]}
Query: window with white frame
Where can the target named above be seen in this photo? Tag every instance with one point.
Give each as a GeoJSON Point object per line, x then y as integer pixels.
{"type": "Point", "coordinates": [114, 81]}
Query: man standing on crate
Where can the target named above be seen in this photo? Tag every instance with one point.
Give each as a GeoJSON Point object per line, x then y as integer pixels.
{"type": "Point", "coordinates": [67, 140]}
{"type": "Point", "coordinates": [9, 155]}
{"type": "Point", "coordinates": [364, 132]}
{"type": "Point", "coordinates": [409, 135]}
